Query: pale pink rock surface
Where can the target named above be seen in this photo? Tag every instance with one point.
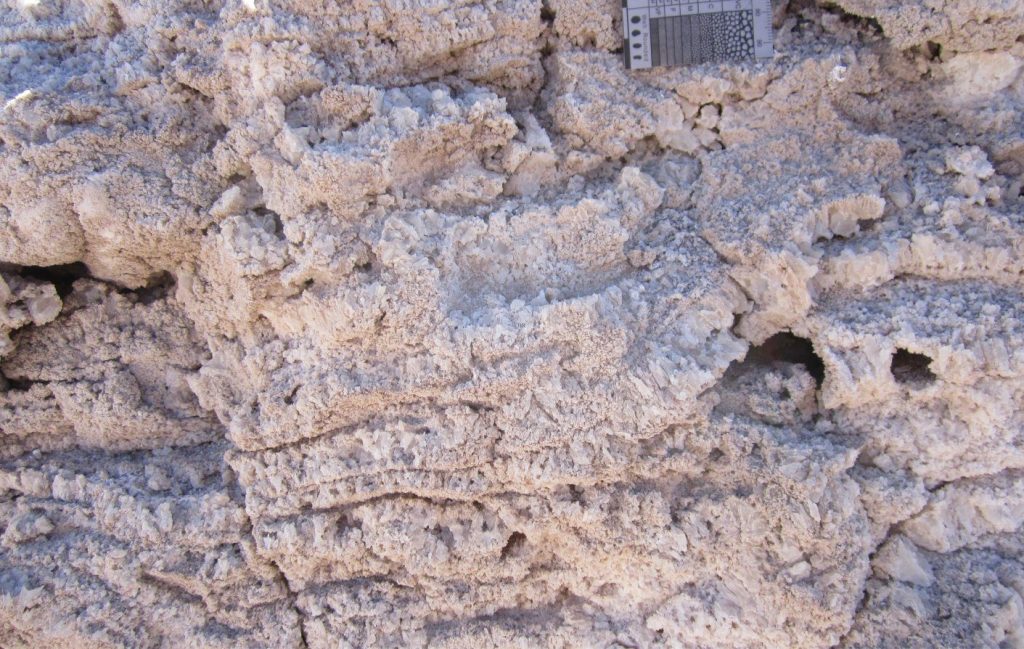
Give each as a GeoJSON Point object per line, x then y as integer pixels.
{"type": "Point", "coordinates": [426, 324]}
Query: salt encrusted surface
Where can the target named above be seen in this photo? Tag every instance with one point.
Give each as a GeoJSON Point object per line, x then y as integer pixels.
{"type": "Point", "coordinates": [426, 324]}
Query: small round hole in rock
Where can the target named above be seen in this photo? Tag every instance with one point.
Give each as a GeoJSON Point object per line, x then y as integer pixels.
{"type": "Point", "coordinates": [786, 347]}
{"type": "Point", "coordinates": [911, 367]}
{"type": "Point", "coordinates": [515, 541]}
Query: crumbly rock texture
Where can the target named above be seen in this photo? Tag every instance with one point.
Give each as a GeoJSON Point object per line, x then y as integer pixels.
{"type": "Point", "coordinates": [427, 324]}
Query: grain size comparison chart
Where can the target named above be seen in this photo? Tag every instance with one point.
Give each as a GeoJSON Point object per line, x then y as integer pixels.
{"type": "Point", "coordinates": [674, 32]}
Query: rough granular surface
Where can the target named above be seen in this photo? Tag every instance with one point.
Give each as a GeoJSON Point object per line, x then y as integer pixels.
{"type": "Point", "coordinates": [426, 324]}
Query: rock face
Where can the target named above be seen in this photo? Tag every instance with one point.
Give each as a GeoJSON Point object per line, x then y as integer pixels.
{"type": "Point", "coordinates": [426, 324]}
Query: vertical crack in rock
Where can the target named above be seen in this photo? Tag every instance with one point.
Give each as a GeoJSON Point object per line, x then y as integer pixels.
{"type": "Point", "coordinates": [427, 324]}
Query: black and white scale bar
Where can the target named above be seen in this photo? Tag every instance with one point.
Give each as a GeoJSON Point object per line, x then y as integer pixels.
{"type": "Point", "coordinates": [675, 32]}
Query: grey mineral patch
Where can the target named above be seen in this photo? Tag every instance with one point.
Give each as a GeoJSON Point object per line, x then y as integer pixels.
{"type": "Point", "coordinates": [427, 324]}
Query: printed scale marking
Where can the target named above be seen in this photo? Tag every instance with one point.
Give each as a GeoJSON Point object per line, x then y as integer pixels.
{"type": "Point", "coordinates": [683, 32]}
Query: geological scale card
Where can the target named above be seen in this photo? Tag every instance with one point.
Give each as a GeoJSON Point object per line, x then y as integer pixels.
{"type": "Point", "coordinates": [677, 32]}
